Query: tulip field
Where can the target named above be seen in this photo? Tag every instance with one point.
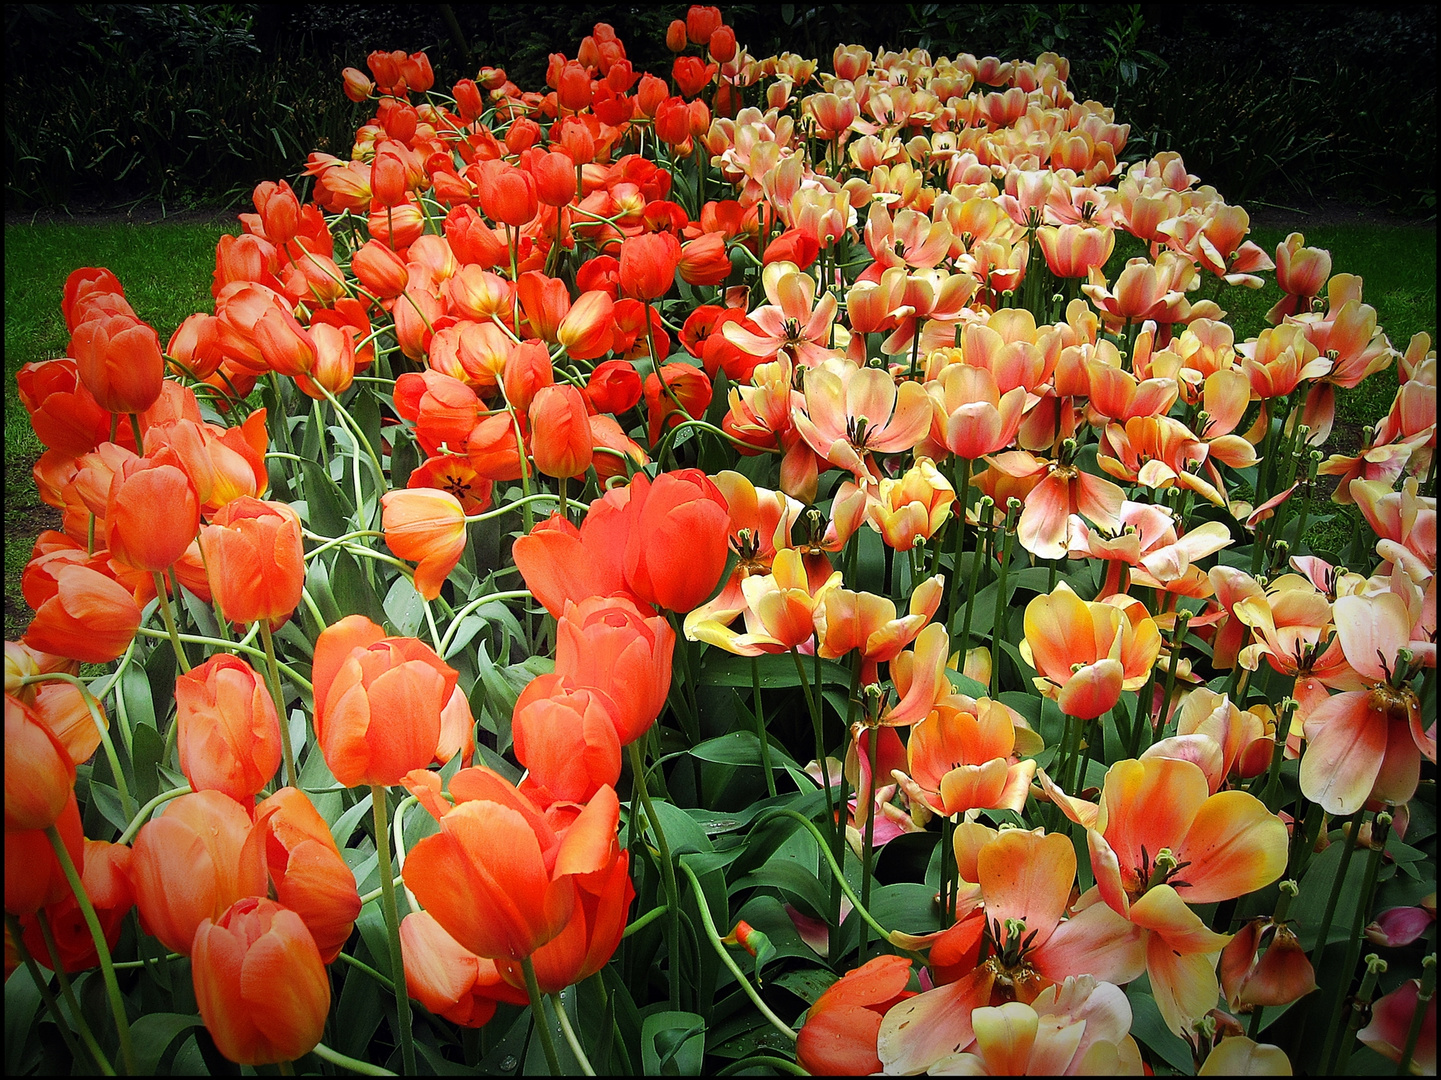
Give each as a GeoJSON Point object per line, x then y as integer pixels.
{"type": "Point", "coordinates": [770, 566]}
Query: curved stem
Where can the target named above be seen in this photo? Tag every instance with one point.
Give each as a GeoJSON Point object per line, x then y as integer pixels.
{"type": "Point", "coordinates": [479, 601]}
{"type": "Point", "coordinates": [767, 1061]}
{"type": "Point", "coordinates": [359, 434]}
{"type": "Point", "coordinates": [645, 920]}
{"type": "Point", "coordinates": [236, 646]}
{"type": "Point", "coordinates": [518, 504]}
{"type": "Point", "coordinates": [92, 704]}
{"type": "Point", "coordinates": [364, 1068]}
{"type": "Point", "coordinates": [42, 984]}
{"type": "Point", "coordinates": [962, 497]}
{"type": "Point", "coordinates": [273, 679]}
{"type": "Point", "coordinates": [570, 1037]}
{"type": "Point", "coordinates": [360, 966]}
{"type": "Point", "coordinates": [538, 1017]}
{"type": "Point", "coordinates": [143, 815]}
{"type": "Point", "coordinates": [102, 1063]}
{"type": "Point", "coordinates": [169, 617]}
{"type": "Point", "coordinates": [102, 948]}
{"type": "Point", "coordinates": [392, 925]}
{"type": "Point", "coordinates": [729, 961]}
{"type": "Point", "coordinates": [667, 872]}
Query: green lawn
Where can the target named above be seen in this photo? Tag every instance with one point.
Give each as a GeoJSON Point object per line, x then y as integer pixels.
{"type": "Point", "coordinates": [166, 271]}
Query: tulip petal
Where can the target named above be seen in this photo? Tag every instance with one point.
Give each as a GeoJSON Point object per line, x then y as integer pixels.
{"type": "Point", "coordinates": [1234, 846]}
{"type": "Point", "coordinates": [1027, 877]}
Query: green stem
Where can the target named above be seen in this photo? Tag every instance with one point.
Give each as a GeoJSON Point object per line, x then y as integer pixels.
{"type": "Point", "coordinates": [983, 541]}
{"type": "Point", "coordinates": [68, 993]}
{"type": "Point", "coordinates": [766, 1061]}
{"type": "Point", "coordinates": [1423, 999]}
{"type": "Point", "coordinates": [538, 1017]}
{"type": "Point", "coordinates": [364, 1068]}
{"type": "Point", "coordinates": [815, 715]}
{"type": "Point", "coordinates": [360, 966]}
{"type": "Point", "coordinates": [761, 728]}
{"type": "Point", "coordinates": [667, 873]}
{"type": "Point", "coordinates": [729, 961]}
{"type": "Point", "coordinates": [42, 984]}
{"type": "Point", "coordinates": [149, 808]}
{"type": "Point", "coordinates": [570, 1038]}
{"type": "Point", "coordinates": [236, 646]}
{"type": "Point", "coordinates": [1380, 828]}
{"type": "Point", "coordinates": [1178, 636]}
{"type": "Point", "coordinates": [1013, 507]}
{"type": "Point", "coordinates": [273, 679]}
{"type": "Point", "coordinates": [1361, 1006]}
{"type": "Point", "coordinates": [392, 925]}
{"type": "Point", "coordinates": [645, 920]}
{"type": "Point", "coordinates": [169, 617]}
{"type": "Point", "coordinates": [1337, 884]}
{"type": "Point", "coordinates": [102, 948]}
{"type": "Point", "coordinates": [1133, 737]}
{"type": "Point", "coordinates": [866, 852]}
{"type": "Point", "coordinates": [963, 488]}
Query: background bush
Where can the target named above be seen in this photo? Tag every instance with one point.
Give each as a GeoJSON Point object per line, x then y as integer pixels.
{"type": "Point", "coordinates": [188, 103]}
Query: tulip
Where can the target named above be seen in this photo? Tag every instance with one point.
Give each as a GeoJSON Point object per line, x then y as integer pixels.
{"type": "Point", "coordinates": [81, 614]}
{"type": "Point", "coordinates": [972, 417]}
{"type": "Point", "coordinates": [613, 387]}
{"type": "Point", "coordinates": [187, 866]}
{"type": "Point", "coordinates": [566, 739]}
{"type": "Point", "coordinates": [39, 774]}
{"type": "Point", "coordinates": [449, 980]}
{"type": "Point", "coordinates": [648, 265]}
{"type": "Point", "coordinates": [508, 194]}
{"type": "Point", "coordinates": [387, 180]}
{"type": "Point", "coordinates": [840, 1034]}
{"type": "Point", "coordinates": [610, 645]}
{"type": "Point", "coordinates": [912, 507]}
{"type": "Point", "coordinates": [554, 174]}
{"type": "Point", "coordinates": [254, 559]}
{"type": "Point", "coordinates": [560, 439]}
{"type": "Point", "coordinates": [105, 874]}
{"type": "Point", "coordinates": [356, 85]}
{"type": "Point", "coordinates": [852, 413]}
{"type": "Point", "coordinates": [380, 270]}
{"type": "Point", "coordinates": [259, 983]}
{"type": "Point", "coordinates": [1278, 976]}
{"type": "Point", "coordinates": [677, 546]}
{"type": "Point", "coordinates": [586, 331]}
{"type": "Point", "coordinates": [675, 36]}
{"type": "Point", "coordinates": [63, 413]}
{"type": "Point", "coordinates": [119, 361]}
{"type": "Point", "coordinates": [152, 513]}
{"type": "Point", "coordinates": [229, 734]}
{"type": "Point", "coordinates": [427, 527]}
{"type": "Point", "coordinates": [498, 876]}
{"type": "Point", "coordinates": [1389, 1031]}
{"type": "Point", "coordinates": [686, 384]}
{"type": "Point", "coordinates": [85, 288]}
{"type": "Point", "coordinates": [33, 876]}
{"type": "Point", "coordinates": [378, 702]}
{"type": "Point", "coordinates": [305, 868]}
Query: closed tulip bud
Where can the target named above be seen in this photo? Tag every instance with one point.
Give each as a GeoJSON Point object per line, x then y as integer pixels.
{"type": "Point", "coordinates": [648, 264]}
{"type": "Point", "coordinates": [152, 513]}
{"type": "Point", "coordinates": [335, 361]}
{"type": "Point", "coordinates": [523, 134]}
{"type": "Point", "coordinates": [576, 140]}
{"type": "Point", "coordinates": [675, 36]}
{"type": "Point", "coordinates": [399, 120]}
{"type": "Point", "coordinates": [105, 874]}
{"type": "Point", "coordinates": [692, 75]}
{"type": "Point", "coordinates": [39, 774]}
{"type": "Point", "coordinates": [507, 194]}
{"type": "Point", "coordinates": [527, 370]}
{"type": "Point", "coordinates": [229, 733]}
{"type": "Point", "coordinates": [574, 89]}
{"type": "Point", "coordinates": [398, 228]}
{"type": "Point", "coordinates": [119, 361]}
{"type": "Point", "coordinates": [704, 261]}
{"type": "Point", "coordinates": [287, 347]}
{"type": "Point", "coordinates": [610, 645]}
{"type": "Point", "coordinates": [305, 868]}
{"type": "Point", "coordinates": [672, 122]}
{"type": "Point", "coordinates": [33, 876]}
{"type": "Point", "coordinates": [378, 702]}
{"type": "Point", "coordinates": [554, 174]}
{"type": "Point", "coordinates": [688, 384]}
{"type": "Point", "coordinates": [723, 44]}
{"type": "Point", "coordinates": [449, 980]}
{"type": "Point", "coordinates": [381, 271]}
{"type": "Point", "coordinates": [387, 179]}
{"type": "Point", "coordinates": [425, 526]}
{"type": "Point", "coordinates": [468, 100]}
{"type": "Point", "coordinates": [84, 289]}
{"type": "Point", "coordinates": [417, 73]}
{"type": "Point", "coordinates": [701, 22]}
{"type": "Point", "coordinates": [567, 739]}
{"type": "Point", "coordinates": [650, 92]}
{"type": "Point", "coordinates": [255, 560]}
{"type": "Point", "coordinates": [259, 983]}
{"type": "Point", "coordinates": [279, 210]}
{"type": "Point", "coordinates": [614, 387]}
{"type": "Point", "coordinates": [586, 329]}
{"type": "Point", "coordinates": [677, 545]}
{"type": "Point", "coordinates": [187, 866]}
{"type": "Point", "coordinates": [357, 86]}
{"type": "Point", "coordinates": [560, 432]}
{"type": "Point", "coordinates": [81, 614]}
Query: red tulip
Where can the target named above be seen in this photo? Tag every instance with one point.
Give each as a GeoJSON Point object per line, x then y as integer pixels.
{"type": "Point", "coordinates": [229, 734]}
{"type": "Point", "coordinates": [560, 432]}
{"type": "Point", "coordinates": [648, 265]}
{"type": "Point", "coordinates": [677, 547]}
{"type": "Point", "coordinates": [608, 644]}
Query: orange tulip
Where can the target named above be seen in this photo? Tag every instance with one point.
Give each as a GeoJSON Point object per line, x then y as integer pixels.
{"type": "Point", "coordinates": [611, 447]}
{"type": "Point", "coordinates": [648, 265]}
{"type": "Point", "coordinates": [608, 644]}
{"type": "Point", "coordinates": [507, 194]}
{"type": "Point", "coordinates": [104, 871]}
{"type": "Point", "coordinates": [561, 563]}
{"type": "Point", "coordinates": [229, 734]}
{"type": "Point", "coordinates": [425, 526]}
{"type": "Point", "coordinates": [33, 877]}
{"type": "Point", "coordinates": [841, 1029]}
{"type": "Point", "coordinates": [964, 760]}
{"type": "Point", "coordinates": [560, 432]}
{"type": "Point", "coordinates": [689, 386]}
{"type": "Point", "coordinates": [499, 876]}
{"type": "Point", "coordinates": [119, 361]}
{"type": "Point", "coordinates": [152, 512]}
{"type": "Point", "coordinates": [81, 614]}
{"type": "Point", "coordinates": [378, 702]}
{"type": "Point", "coordinates": [380, 270]}
{"type": "Point", "coordinates": [1086, 653]}
{"type": "Point", "coordinates": [911, 507]}
{"type": "Point", "coordinates": [677, 544]}
{"type": "Point", "coordinates": [971, 416]}
{"type": "Point", "coordinates": [255, 560]}
{"type": "Point", "coordinates": [222, 463]}
{"type": "Point", "coordinates": [449, 980]}
{"type": "Point", "coordinates": [39, 774]}
{"type": "Point", "coordinates": [305, 868]}
{"type": "Point", "coordinates": [259, 983]}
{"type": "Point", "coordinates": [566, 738]}
{"type": "Point", "coordinates": [187, 866]}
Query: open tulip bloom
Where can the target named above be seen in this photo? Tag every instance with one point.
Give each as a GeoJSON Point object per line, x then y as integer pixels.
{"type": "Point", "coordinates": [773, 564]}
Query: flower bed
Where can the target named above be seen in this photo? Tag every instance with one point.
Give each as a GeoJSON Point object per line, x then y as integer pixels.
{"type": "Point", "coordinates": [792, 454]}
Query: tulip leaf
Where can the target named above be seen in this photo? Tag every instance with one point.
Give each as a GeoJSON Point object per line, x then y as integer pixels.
{"type": "Point", "coordinates": [505, 1057]}
{"type": "Point", "coordinates": [791, 878]}
{"type": "Point", "coordinates": [739, 748]}
{"type": "Point", "coordinates": [672, 1044]}
{"type": "Point", "coordinates": [139, 707]}
{"type": "Point", "coordinates": [724, 669]}
{"type": "Point", "coordinates": [146, 750]}
{"type": "Point", "coordinates": [22, 1002]}
{"type": "Point", "coordinates": [403, 457]}
{"type": "Point", "coordinates": [153, 1034]}
{"type": "Point", "coordinates": [353, 592]}
{"type": "Point", "coordinates": [1308, 909]}
{"type": "Point", "coordinates": [347, 822]}
{"type": "Point", "coordinates": [806, 983]}
{"type": "Point", "coordinates": [1150, 1029]}
{"type": "Point", "coordinates": [106, 800]}
{"type": "Point", "coordinates": [404, 607]}
{"type": "Point", "coordinates": [327, 510]}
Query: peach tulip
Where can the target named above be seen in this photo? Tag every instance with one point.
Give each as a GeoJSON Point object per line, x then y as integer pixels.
{"type": "Point", "coordinates": [427, 526]}
{"type": "Point", "coordinates": [1086, 653]}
